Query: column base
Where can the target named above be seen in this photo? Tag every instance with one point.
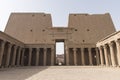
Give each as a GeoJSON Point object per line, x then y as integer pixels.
{"type": "Point", "coordinates": [0, 66]}
{"type": "Point", "coordinates": [36, 65]}
{"type": "Point", "coordinates": [114, 65]}
{"type": "Point", "coordinates": [18, 66]}
{"type": "Point", "coordinates": [67, 65]}
{"type": "Point", "coordinates": [75, 65]}
{"type": "Point", "coordinates": [13, 66]}
{"type": "Point", "coordinates": [6, 66]}
{"type": "Point", "coordinates": [91, 65]}
{"type": "Point", "coordinates": [107, 65]}
{"type": "Point", "coordinates": [102, 65]}
{"type": "Point", "coordinates": [52, 64]}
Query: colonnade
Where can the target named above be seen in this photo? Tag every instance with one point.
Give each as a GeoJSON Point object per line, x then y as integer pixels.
{"type": "Point", "coordinates": [110, 53]}
{"type": "Point", "coordinates": [82, 56]}
{"type": "Point", "coordinates": [104, 55]}
{"type": "Point", "coordinates": [39, 57]}
{"type": "Point", "coordinates": [10, 54]}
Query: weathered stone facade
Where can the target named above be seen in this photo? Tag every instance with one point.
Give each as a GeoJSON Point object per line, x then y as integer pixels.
{"type": "Point", "coordinates": [29, 39]}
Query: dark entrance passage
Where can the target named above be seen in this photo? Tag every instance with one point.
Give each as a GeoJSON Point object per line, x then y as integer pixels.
{"type": "Point", "coordinates": [26, 57]}
{"type": "Point", "coordinates": [94, 56]}
{"type": "Point", "coordinates": [86, 56]}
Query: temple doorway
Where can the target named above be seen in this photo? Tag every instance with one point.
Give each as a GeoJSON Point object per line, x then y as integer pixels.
{"type": "Point", "coordinates": [60, 52]}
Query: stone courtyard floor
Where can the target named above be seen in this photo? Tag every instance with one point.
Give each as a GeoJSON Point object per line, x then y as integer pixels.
{"type": "Point", "coordinates": [60, 73]}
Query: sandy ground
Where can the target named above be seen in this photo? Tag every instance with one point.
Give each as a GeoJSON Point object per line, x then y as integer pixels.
{"type": "Point", "coordinates": [60, 73]}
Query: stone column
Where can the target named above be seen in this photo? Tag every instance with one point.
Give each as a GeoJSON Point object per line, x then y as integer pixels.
{"type": "Point", "coordinates": [8, 55]}
{"type": "Point", "coordinates": [118, 51]}
{"type": "Point", "coordinates": [75, 57]}
{"type": "Point", "coordinates": [22, 59]}
{"type": "Point", "coordinates": [37, 56]}
{"type": "Point", "coordinates": [82, 56]}
{"type": "Point", "coordinates": [52, 56]}
{"type": "Point", "coordinates": [112, 54]}
{"type": "Point", "coordinates": [97, 56]}
{"type": "Point", "coordinates": [2, 51]}
{"type": "Point", "coordinates": [67, 56]}
{"type": "Point", "coordinates": [14, 56]}
{"type": "Point", "coordinates": [101, 56]}
{"type": "Point", "coordinates": [106, 55]}
{"type": "Point", "coordinates": [90, 56]}
{"type": "Point", "coordinates": [30, 56]}
{"type": "Point", "coordinates": [45, 56]}
{"type": "Point", "coordinates": [18, 59]}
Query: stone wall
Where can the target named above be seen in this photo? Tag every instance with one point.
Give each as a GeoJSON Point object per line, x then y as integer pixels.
{"type": "Point", "coordinates": [37, 28]}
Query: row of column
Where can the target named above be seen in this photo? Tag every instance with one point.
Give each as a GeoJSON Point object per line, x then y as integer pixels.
{"type": "Point", "coordinates": [82, 56]}
{"type": "Point", "coordinates": [114, 50]}
{"type": "Point", "coordinates": [38, 58]}
{"type": "Point", "coordinates": [6, 50]}
{"type": "Point", "coordinates": [12, 55]}
{"type": "Point", "coordinates": [14, 60]}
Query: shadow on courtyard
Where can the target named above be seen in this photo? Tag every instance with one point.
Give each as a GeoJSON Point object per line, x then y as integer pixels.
{"type": "Point", "coordinates": [20, 73]}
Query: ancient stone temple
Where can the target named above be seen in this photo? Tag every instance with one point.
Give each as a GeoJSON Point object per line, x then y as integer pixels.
{"type": "Point", "coordinates": [29, 40]}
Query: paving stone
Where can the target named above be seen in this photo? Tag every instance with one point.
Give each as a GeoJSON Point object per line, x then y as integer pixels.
{"type": "Point", "coordinates": [60, 73]}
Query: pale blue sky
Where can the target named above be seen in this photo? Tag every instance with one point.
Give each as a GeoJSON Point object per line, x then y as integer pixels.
{"type": "Point", "coordinates": [60, 9]}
